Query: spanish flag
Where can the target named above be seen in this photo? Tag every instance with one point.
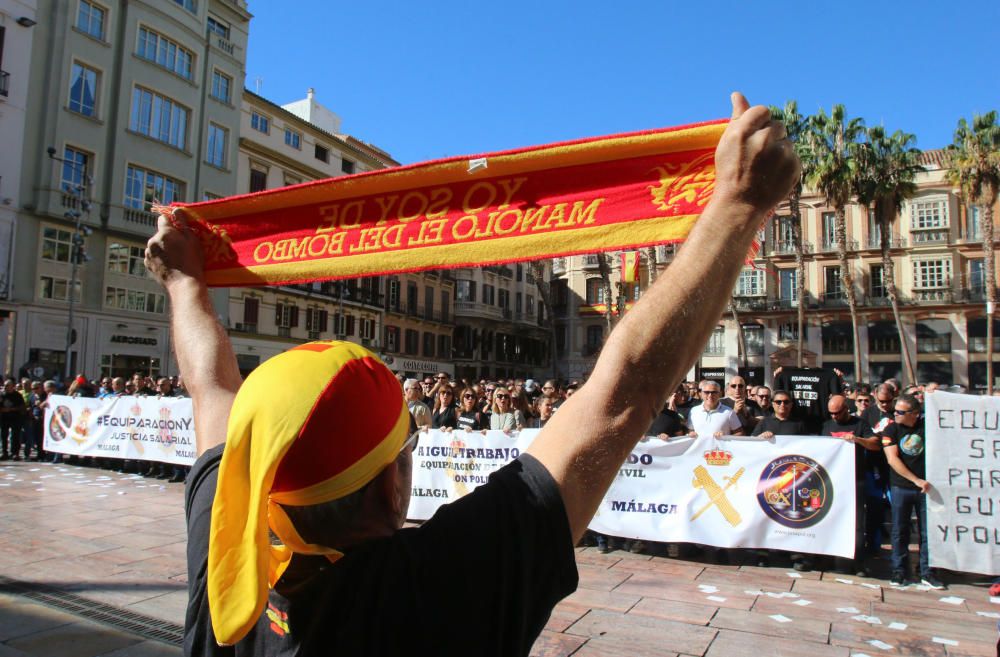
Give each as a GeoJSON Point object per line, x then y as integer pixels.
{"type": "Point", "coordinates": [592, 195]}
{"type": "Point", "coordinates": [630, 266]}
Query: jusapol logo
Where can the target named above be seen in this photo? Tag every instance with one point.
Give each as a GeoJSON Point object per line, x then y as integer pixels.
{"type": "Point", "coordinates": [795, 491]}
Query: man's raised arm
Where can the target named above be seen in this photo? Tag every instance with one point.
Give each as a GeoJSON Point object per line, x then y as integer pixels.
{"type": "Point", "coordinates": [204, 353]}
{"type": "Point", "coordinates": [585, 443]}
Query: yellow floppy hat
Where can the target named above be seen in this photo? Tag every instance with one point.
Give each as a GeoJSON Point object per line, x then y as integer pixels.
{"type": "Point", "coordinates": [310, 425]}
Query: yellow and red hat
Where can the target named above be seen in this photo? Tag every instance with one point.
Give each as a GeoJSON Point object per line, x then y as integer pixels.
{"type": "Point", "coordinates": [308, 426]}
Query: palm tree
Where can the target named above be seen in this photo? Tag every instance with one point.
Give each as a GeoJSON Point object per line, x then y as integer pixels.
{"type": "Point", "coordinates": [605, 270]}
{"type": "Point", "coordinates": [830, 140]}
{"type": "Point", "coordinates": [797, 126]}
{"type": "Point", "coordinates": [975, 169]}
{"type": "Point", "coordinates": [887, 168]}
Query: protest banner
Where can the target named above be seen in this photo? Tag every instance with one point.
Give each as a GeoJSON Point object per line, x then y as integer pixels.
{"type": "Point", "coordinates": [795, 493]}
{"type": "Point", "coordinates": [139, 428]}
{"type": "Point", "coordinates": [963, 468]}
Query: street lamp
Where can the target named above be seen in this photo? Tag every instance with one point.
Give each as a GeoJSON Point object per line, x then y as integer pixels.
{"type": "Point", "coordinates": [77, 254]}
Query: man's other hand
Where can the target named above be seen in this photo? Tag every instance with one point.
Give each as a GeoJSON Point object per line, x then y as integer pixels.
{"type": "Point", "coordinates": [755, 163]}
{"type": "Point", "coordinates": [174, 252]}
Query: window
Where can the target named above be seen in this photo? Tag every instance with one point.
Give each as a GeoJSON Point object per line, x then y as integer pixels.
{"type": "Point", "coordinates": [829, 230]}
{"type": "Point", "coordinates": [595, 291]}
{"type": "Point", "coordinates": [750, 283]}
{"type": "Point", "coordinates": [529, 305]}
{"type": "Point", "coordinates": [138, 301]}
{"type": "Point", "coordinates": [83, 82]}
{"type": "Point", "coordinates": [392, 294]}
{"type": "Point", "coordinates": [392, 339]}
{"type": "Point", "coordinates": [90, 19]}
{"type": "Point", "coordinates": [347, 166]}
{"type": "Point", "coordinates": [877, 281]}
{"type": "Point", "coordinates": [169, 54]}
{"type": "Point", "coordinates": [190, 5]}
{"type": "Point", "coordinates": [838, 338]}
{"type": "Point", "coordinates": [218, 27]}
{"type": "Point", "coordinates": [251, 314]}
{"type": "Point", "coordinates": [159, 117]}
{"type": "Point", "coordinates": [292, 180]}
{"type": "Point", "coordinates": [787, 289]}
{"type": "Point", "coordinates": [411, 297]}
{"type": "Point", "coordinates": [76, 164]}
{"type": "Point", "coordinates": [977, 280]}
{"type": "Point", "coordinates": [503, 299]}
{"type": "Point", "coordinates": [974, 229]}
{"type": "Point", "coordinates": [57, 244]}
{"type": "Point", "coordinates": [934, 336]}
{"type": "Point", "coordinates": [316, 321]}
{"type": "Point", "coordinates": [412, 342]}
{"type": "Point", "coordinates": [883, 338]}
{"type": "Point", "coordinates": [322, 153]}
{"type": "Point", "coordinates": [445, 303]}
{"type": "Point", "coordinates": [832, 285]}
{"type": "Point", "coordinates": [753, 337]}
{"type": "Point", "coordinates": [874, 230]}
{"type": "Point", "coordinates": [56, 289]}
{"type": "Point", "coordinates": [444, 346]}
{"type": "Point", "coordinates": [518, 272]}
{"type": "Point", "coordinates": [260, 123]}
{"type": "Point", "coordinates": [518, 303]}
{"type": "Point", "coordinates": [929, 214]}
{"type": "Point", "coordinates": [784, 234]}
{"type": "Point", "coordinates": [488, 295]}
{"type": "Point", "coordinates": [429, 339]}
{"type": "Point", "coordinates": [932, 273]}
{"type": "Point", "coordinates": [367, 329]}
{"type": "Point", "coordinates": [218, 139]}
{"type": "Point", "coordinates": [716, 345]}
{"type": "Point", "coordinates": [788, 331]}
{"type": "Point", "coordinates": [293, 138]}
{"type": "Point", "coordinates": [595, 336]}
{"type": "Point", "coordinates": [222, 86]}
{"type": "Point", "coordinates": [465, 290]}
{"type": "Point", "coordinates": [142, 187]}
{"type": "Point", "coordinates": [126, 259]}
{"type": "Point", "coordinates": [258, 180]}
{"type": "Point", "coordinates": [286, 315]}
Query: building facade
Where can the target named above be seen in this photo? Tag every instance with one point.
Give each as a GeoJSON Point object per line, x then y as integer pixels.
{"type": "Point", "coordinates": [937, 258]}
{"type": "Point", "coordinates": [501, 326]}
{"type": "Point", "coordinates": [131, 103]}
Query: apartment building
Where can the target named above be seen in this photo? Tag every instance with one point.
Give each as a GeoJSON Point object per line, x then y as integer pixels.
{"type": "Point", "coordinates": [131, 102]}
{"type": "Point", "coordinates": [937, 257]}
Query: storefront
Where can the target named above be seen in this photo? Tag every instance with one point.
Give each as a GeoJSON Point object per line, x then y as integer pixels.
{"type": "Point", "coordinates": [126, 347]}
{"type": "Point", "coordinates": [417, 368]}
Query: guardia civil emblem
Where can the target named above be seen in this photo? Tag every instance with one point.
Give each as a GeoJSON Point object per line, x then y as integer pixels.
{"type": "Point", "coordinates": [795, 491]}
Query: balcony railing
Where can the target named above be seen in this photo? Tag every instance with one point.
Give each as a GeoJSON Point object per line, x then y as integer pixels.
{"type": "Point", "coordinates": [225, 45]}
{"type": "Point", "coordinates": [591, 261]}
{"type": "Point", "coordinates": [787, 248]}
{"type": "Point", "coordinates": [832, 245]}
{"type": "Point", "coordinates": [4, 83]}
{"type": "Point", "coordinates": [895, 242]}
{"type": "Point", "coordinates": [140, 217]}
{"type": "Point", "coordinates": [933, 296]}
{"type": "Point", "coordinates": [750, 304]}
{"type": "Point", "coordinates": [939, 236]}
{"type": "Point", "coordinates": [833, 299]}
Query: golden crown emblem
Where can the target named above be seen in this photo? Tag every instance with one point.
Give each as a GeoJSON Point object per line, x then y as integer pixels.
{"type": "Point", "coordinates": [718, 457]}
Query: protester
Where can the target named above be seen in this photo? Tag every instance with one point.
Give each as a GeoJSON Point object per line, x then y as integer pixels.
{"type": "Point", "coordinates": [903, 443]}
{"type": "Point", "coordinates": [471, 418]}
{"type": "Point", "coordinates": [35, 428]}
{"type": "Point", "coordinates": [670, 423]}
{"type": "Point", "coordinates": [13, 412]}
{"type": "Point", "coordinates": [414, 395]}
{"type": "Point", "coordinates": [505, 417]}
{"type": "Point", "coordinates": [445, 414]}
{"type": "Point", "coordinates": [736, 399]}
{"type": "Point", "coordinates": [764, 408]}
{"type": "Point", "coordinates": [544, 408]}
{"type": "Point", "coordinates": [780, 423]}
{"type": "Point", "coordinates": [523, 522]}
{"type": "Point", "coordinates": [711, 417]}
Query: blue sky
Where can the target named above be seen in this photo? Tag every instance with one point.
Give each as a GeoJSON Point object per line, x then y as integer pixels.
{"type": "Point", "coordinates": [430, 79]}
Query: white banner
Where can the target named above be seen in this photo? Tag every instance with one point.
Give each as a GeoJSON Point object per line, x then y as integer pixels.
{"type": "Point", "coordinates": [140, 428]}
{"type": "Point", "coordinates": [963, 468]}
{"type": "Point", "coordinates": [796, 493]}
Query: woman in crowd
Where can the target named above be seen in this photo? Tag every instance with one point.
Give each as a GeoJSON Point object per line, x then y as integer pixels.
{"type": "Point", "coordinates": [505, 417]}
{"type": "Point", "coordinates": [519, 401]}
{"type": "Point", "coordinates": [445, 414]}
{"type": "Point", "coordinates": [469, 416]}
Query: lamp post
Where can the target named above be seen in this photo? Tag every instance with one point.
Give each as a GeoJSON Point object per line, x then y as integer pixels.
{"type": "Point", "coordinates": [77, 254]}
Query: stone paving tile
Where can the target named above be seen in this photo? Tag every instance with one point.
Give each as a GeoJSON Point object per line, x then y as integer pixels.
{"type": "Point", "coordinates": [20, 617]}
{"type": "Point", "coordinates": [585, 599]}
{"type": "Point", "coordinates": [81, 639]}
{"type": "Point", "coordinates": [936, 621]}
{"type": "Point", "coordinates": [602, 579]}
{"type": "Point", "coordinates": [169, 606]}
{"type": "Point", "coordinates": [682, 612]}
{"type": "Point", "coordinates": [657, 586]}
{"type": "Point", "coordinates": [913, 597]}
{"type": "Point", "coordinates": [553, 644]}
{"type": "Point", "coordinates": [834, 588]}
{"type": "Point", "coordinates": [800, 626]}
{"type": "Point", "coordinates": [563, 617]}
{"type": "Point", "coordinates": [640, 635]}
{"type": "Point", "coordinates": [146, 649]}
{"type": "Point", "coordinates": [660, 566]}
{"type": "Point", "coordinates": [730, 643]}
{"type": "Point", "coordinates": [613, 647]}
{"type": "Point", "coordinates": [856, 635]}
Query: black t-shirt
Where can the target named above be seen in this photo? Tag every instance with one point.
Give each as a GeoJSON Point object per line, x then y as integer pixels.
{"type": "Point", "coordinates": [811, 387]}
{"type": "Point", "coordinates": [668, 422]}
{"type": "Point", "coordinates": [479, 578]}
{"type": "Point", "coordinates": [446, 417]}
{"type": "Point", "coordinates": [860, 429]}
{"type": "Point", "coordinates": [474, 421]}
{"type": "Point", "coordinates": [13, 405]}
{"type": "Point", "coordinates": [911, 443]}
{"type": "Point", "coordinates": [780, 427]}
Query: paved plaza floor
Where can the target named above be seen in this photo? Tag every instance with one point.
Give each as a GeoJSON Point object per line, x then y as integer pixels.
{"type": "Point", "coordinates": [92, 563]}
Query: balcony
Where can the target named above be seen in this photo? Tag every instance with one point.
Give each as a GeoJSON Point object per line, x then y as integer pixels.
{"type": "Point", "coordinates": [476, 309]}
{"type": "Point", "coordinates": [140, 217]}
{"type": "Point", "coordinates": [878, 299]}
{"type": "Point", "coordinates": [591, 261]}
{"type": "Point", "coordinates": [225, 45]}
{"type": "Point", "coordinates": [976, 295]}
{"type": "Point", "coordinates": [938, 236]}
{"type": "Point", "coordinates": [4, 83]}
{"type": "Point", "coordinates": [787, 248]}
{"type": "Point", "coordinates": [832, 246]}
{"type": "Point", "coordinates": [245, 328]}
{"type": "Point", "coordinates": [933, 296]}
{"type": "Point", "coordinates": [895, 242]}
{"type": "Point", "coordinates": [833, 300]}
{"type": "Point", "coordinates": [750, 304]}
{"type": "Point", "coordinates": [506, 272]}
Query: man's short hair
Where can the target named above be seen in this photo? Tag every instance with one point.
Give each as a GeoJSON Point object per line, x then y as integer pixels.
{"type": "Point", "coordinates": [910, 401]}
{"type": "Point", "coordinates": [709, 382]}
{"type": "Point", "coordinates": [409, 383]}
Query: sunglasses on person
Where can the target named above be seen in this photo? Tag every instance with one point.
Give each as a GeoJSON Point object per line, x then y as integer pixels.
{"type": "Point", "coordinates": [502, 396]}
{"type": "Point", "coordinates": [781, 402]}
{"type": "Point", "coordinates": [863, 400]}
{"type": "Point", "coordinates": [737, 385]}
{"type": "Point", "coordinates": [896, 411]}
{"type": "Point", "coordinates": [445, 392]}
{"type": "Point", "coordinates": [468, 396]}
{"type": "Point", "coordinates": [763, 396]}
{"type": "Point", "coordinates": [709, 392]}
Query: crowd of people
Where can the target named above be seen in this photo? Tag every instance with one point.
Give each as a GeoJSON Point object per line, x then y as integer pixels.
{"type": "Point", "coordinates": [22, 412]}
{"type": "Point", "coordinates": [883, 424]}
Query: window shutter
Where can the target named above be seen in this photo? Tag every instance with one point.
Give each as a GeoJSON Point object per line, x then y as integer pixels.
{"type": "Point", "coordinates": [309, 319]}
{"type": "Point", "coordinates": [251, 307]}
{"type": "Point", "coordinates": [324, 316]}
{"type": "Point", "coordinates": [277, 314]}
{"type": "Point", "coordinates": [350, 325]}
{"type": "Point", "coordinates": [295, 316]}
